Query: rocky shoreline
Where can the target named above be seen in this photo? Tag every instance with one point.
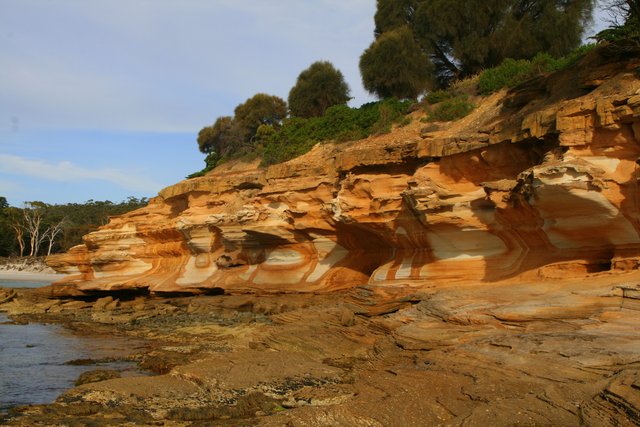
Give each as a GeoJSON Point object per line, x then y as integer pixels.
{"type": "Point", "coordinates": [546, 353]}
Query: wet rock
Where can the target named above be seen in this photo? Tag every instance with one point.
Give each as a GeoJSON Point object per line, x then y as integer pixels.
{"type": "Point", "coordinates": [97, 375]}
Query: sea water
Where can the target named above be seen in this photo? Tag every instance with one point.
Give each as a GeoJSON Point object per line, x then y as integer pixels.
{"type": "Point", "coordinates": [22, 284]}
{"type": "Point", "coordinates": [33, 358]}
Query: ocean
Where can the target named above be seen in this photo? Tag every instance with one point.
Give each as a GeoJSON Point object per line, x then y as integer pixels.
{"type": "Point", "coordinates": [34, 358]}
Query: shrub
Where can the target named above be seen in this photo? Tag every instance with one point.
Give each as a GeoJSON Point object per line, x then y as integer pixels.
{"type": "Point", "coordinates": [468, 86]}
{"type": "Point", "coordinates": [513, 72]}
{"type": "Point", "coordinates": [437, 96]}
{"type": "Point", "coordinates": [340, 123]}
{"type": "Point", "coordinates": [508, 74]}
{"type": "Point", "coordinates": [451, 109]}
{"type": "Point", "coordinates": [405, 122]}
{"type": "Point", "coordinates": [574, 56]}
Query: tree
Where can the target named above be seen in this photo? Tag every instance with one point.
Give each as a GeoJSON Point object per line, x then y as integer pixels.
{"type": "Point", "coordinates": [7, 237]}
{"type": "Point", "coordinates": [52, 232]}
{"type": "Point", "coordinates": [260, 109]}
{"type": "Point", "coordinates": [221, 137]}
{"type": "Point", "coordinates": [78, 219]}
{"type": "Point", "coordinates": [55, 227]}
{"type": "Point", "coordinates": [463, 37]}
{"type": "Point", "coordinates": [231, 135]}
{"type": "Point", "coordinates": [393, 14]}
{"type": "Point", "coordinates": [624, 17]}
{"type": "Point", "coordinates": [627, 10]}
{"type": "Point", "coordinates": [395, 66]}
{"type": "Point", "coordinates": [318, 87]}
{"type": "Point", "coordinates": [15, 220]}
{"type": "Point", "coordinates": [33, 217]}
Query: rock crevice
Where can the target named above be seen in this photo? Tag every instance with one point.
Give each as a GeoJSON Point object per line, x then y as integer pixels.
{"type": "Point", "coordinates": [517, 189]}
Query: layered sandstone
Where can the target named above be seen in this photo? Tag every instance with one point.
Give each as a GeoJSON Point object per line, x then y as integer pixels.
{"type": "Point", "coordinates": [538, 182]}
{"type": "Point", "coordinates": [491, 267]}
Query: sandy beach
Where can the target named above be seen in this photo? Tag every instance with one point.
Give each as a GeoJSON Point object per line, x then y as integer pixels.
{"type": "Point", "coordinates": [27, 269]}
{"type": "Point", "coordinates": [29, 276]}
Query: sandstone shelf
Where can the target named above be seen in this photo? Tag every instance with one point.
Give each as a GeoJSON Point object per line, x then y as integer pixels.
{"type": "Point", "coordinates": [538, 182]}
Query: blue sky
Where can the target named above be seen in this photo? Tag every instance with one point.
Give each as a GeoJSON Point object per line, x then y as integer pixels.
{"type": "Point", "coordinates": [103, 99]}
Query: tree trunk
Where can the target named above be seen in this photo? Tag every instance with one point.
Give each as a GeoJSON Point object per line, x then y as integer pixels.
{"type": "Point", "coordinates": [17, 228]}
{"type": "Point", "coordinates": [32, 219]}
{"type": "Point", "coordinates": [51, 234]}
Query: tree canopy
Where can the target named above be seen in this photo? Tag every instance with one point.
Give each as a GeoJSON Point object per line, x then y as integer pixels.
{"type": "Point", "coordinates": [395, 66]}
{"type": "Point", "coordinates": [39, 228]}
{"type": "Point", "coordinates": [318, 87]}
{"type": "Point", "coordinates": [221, 137]}
{"type": "Point", "coordinates": [624, 17]}
{"type": "Point", "coordinates": [230, 135]}
{"type": "Point", "coordinates": [462, 37]}
{"type": "Point", "coordinates": [261, 109]}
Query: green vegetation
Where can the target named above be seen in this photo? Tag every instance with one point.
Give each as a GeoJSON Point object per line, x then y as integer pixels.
{"type": "Point", "coordinates": [508, 74]}
{"type": "Point", "coordinates": [459, 38]}
{"type": "Point", "coordinates": [261, 109]}
{"type": "Point", "coordinates": [450, 49]}
{"type": "Point", "coordinates": [257, 120]}
{"type": "Point", "coordinates": [229, 135]}
{"type": "Point", "coordinates": [318, 87]}
{"type": "Point", "coordinates": [513, 72]}
{"type": "Point", "coordinates": [220, 137]}
{"type": "Point", "coordinates": [278, 141]}
{"type": "Point", "coordinates": [395, 66]}
{"type": "Point", "coordinates": [340, 123]}
{"type": "Point", "coordinates": [40, 229]}
{"type": "Point", "coordinates": [6, 233]}
{"type": "Point", "coordinates": [452, 108]}
{"type": "Point", "coordinates": [211, 161]}
{"type": "Point", "coordinates": [453, 103]}
{"type": "Point", "coordinates": [629, 29]}
{"type": "Point", "coordinates": [437, 96]}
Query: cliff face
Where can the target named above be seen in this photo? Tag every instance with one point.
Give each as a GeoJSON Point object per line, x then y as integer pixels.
{"type": "Point", "coordinates": [539, 182]}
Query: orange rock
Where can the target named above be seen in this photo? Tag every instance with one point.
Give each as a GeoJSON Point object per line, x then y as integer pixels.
{"type": "Point", "coordinates": [522, 187]}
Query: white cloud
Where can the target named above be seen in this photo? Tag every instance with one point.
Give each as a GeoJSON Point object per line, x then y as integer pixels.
{"type": "Point", "coordinates": [65, 171]}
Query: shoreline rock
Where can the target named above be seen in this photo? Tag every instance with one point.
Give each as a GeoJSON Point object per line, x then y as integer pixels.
{"type": "Point", "coordinates": [561, 352]}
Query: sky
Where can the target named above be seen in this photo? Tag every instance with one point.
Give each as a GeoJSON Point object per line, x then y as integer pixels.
{"type": "Point", "coordinates": [103, 99]}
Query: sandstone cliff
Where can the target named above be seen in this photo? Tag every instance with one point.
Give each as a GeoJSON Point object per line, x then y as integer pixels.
{"type": "Point", "coordinates": [538, 182]}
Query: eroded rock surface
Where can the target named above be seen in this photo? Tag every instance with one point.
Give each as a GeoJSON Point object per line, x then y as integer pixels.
{"type": "Point", "coordinates": [538, 182]}
{"type": "Point", "coordinates": [481, 272]}
{"type": "Point", "coordinates": [564, 354]}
